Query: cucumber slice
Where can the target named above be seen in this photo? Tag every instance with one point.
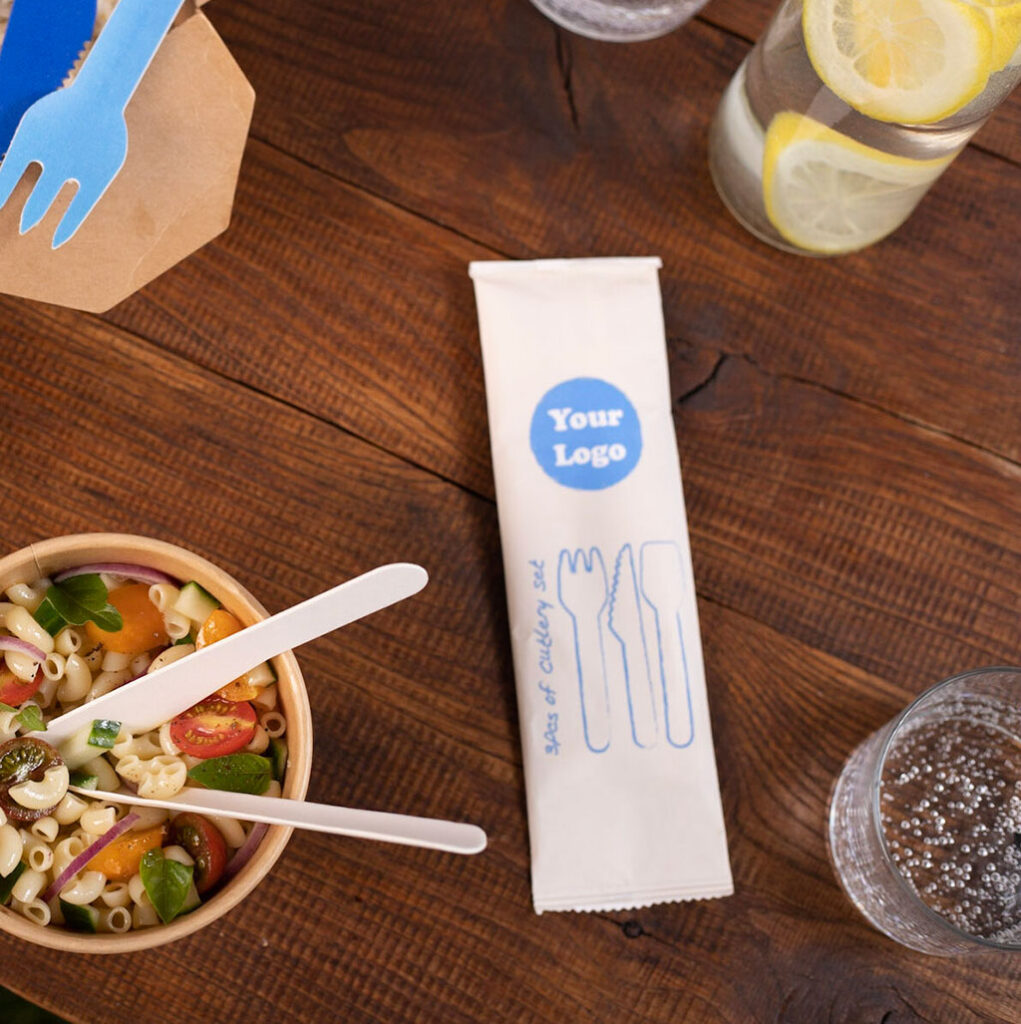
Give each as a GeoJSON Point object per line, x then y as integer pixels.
{"type": "Point", "coordinates": [277, 757]}
{"type": "Point", "coordinates": [104, 733]}
{"type": "Point", "coordinates": [195, 602]}
{"type": "Point", "coordinates": [108, 779]}
{"type": "Point", "coordinates": [7, 884]}
{"type": "Point", "coordinates": [261, 675]}
{"type": "Point", "coordinates": [79, 919]}
{"type": "Point", "coordinates": [191, 901]}
{"type": "Point", "coordinates": [83, 779]}
{"type": "Point", "coordinates": [89, 742]}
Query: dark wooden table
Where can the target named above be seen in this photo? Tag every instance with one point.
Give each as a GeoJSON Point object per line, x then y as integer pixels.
{"type": "Point", "coordinates": [303, 399]}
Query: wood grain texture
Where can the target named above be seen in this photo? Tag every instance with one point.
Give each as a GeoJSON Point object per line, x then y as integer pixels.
{"type": "Point", "coordinates": [880, 541]}
{"type": "Point", "coordinates": [414, 709]}
{"type": "Point", "coordinates": [303, 399]}
{"type": "Point", "coordinates": [480, 139]}
{"type": "Point", "coordinates": [308, 260]}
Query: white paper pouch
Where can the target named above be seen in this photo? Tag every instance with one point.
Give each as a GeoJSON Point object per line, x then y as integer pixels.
{"type": "Point", "coordinates": [623, 802]}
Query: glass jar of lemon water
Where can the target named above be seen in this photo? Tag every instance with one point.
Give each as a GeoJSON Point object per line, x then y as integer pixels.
{"type": "Point", "coordinates": [846, 111]}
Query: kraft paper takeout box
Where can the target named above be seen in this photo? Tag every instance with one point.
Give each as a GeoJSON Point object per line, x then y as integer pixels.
{"type": "Point", "coordinates": [187, 127]}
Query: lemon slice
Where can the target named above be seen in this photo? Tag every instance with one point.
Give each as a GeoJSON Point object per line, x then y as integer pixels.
{"type": "Point", "coordinates": [828, 194]}
{"type": "Point", "coordinates": [1005, 21]}
{"type": "Point", "coordinates": [912, 61]}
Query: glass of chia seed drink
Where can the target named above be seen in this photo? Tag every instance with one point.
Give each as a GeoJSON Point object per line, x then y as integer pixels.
{"type": "Point", "coordinates": [925, 818]}
{"type": "Point", "coordinates": [619, 21]}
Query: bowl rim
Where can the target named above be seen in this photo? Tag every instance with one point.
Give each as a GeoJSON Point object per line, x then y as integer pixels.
{"type": "Point", "coordinates": [45, 557]}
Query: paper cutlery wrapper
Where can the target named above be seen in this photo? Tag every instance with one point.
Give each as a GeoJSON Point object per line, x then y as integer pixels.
{"type": "Point", "coordinates": [623, 802]}
{"type": "Point", "coordinates": [187, 127]}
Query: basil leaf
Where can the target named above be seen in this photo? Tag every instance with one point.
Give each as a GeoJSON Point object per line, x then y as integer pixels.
{"type": "Point", "coordinates": [88, 590]}
{"type": "Point", "coordinates": [167, 883]}
{"type": "Point", "coordinates": [235, 773]}
{"type": "Point", "coordinates": [31, 718]}
{"type": "Point", "coordinates": [48, 617]}
{"type": "Point", "coordinates": [76, 601]}
{"type": "Point", "coordinates": [109, 619]}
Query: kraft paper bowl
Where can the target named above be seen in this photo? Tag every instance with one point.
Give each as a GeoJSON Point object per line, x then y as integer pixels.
{"type": "Point", "coordinates": [51, 556]}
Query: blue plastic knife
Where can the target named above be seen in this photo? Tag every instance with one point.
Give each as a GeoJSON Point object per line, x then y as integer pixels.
{"type": "Point", "coordinates": [42, 42]}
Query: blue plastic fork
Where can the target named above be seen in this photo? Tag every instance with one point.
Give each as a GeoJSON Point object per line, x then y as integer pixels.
{"type": "Point", "coordinates": [78, 134]}
{"type": "Point", "coordinates": [41, 44]}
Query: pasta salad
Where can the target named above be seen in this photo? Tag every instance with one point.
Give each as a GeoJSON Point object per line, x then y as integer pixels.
{"type": "Point", "coordinates": [68, 858]}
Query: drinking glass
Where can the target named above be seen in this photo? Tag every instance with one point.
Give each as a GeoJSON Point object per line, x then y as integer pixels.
{"type": "Point", "coordinates": [619, 21]}
{"type": "Point", "coordinates": [925, 819]}
{"type": "Point", "coordinates": [844, 114]}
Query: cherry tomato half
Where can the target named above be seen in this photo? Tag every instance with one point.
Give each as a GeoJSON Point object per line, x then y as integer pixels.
{"type": "Point", "coordinates": [21, 759]}
{"type": "Point", "coordinates": [204, 841]}
{"type": "Point", "coordinates": [15, 691]}
{"type": "Point", "coordinates": [214, 728]}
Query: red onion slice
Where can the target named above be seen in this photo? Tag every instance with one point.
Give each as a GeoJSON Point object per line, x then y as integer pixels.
{"type": "Point", "coordinates": [142, 573]}
{"type": "Point", "coordinates": [12, 643]}
{"type": "Point", "coordinates": [87, 854]}
{"type": "Point", "coordinates": [245, 851]}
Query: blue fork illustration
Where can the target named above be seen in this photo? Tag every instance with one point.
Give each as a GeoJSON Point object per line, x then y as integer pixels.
{"type": "Point", "coordinates": [582, 590]}
{"type": "Point", "coordinates": [78, 134]}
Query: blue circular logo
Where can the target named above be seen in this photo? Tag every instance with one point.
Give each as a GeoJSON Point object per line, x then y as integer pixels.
{"type": "Point", "coordinates": [585, 434]}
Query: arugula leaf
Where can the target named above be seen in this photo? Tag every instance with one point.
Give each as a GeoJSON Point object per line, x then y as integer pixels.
{"type": "Point", "coordinates": [76, 601]}
{"type": "Point", "coordinates": [167, 883]}
{"type": "Point", "coordinates": [235, 773]}
{"type": "Point", "coordinates": [31, 718]}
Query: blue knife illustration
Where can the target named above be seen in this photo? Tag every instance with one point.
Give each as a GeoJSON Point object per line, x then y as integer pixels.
{"type": "Point", "coordinates": [626, 625]}
{"type": "Point", "coordinates": [662, 576]}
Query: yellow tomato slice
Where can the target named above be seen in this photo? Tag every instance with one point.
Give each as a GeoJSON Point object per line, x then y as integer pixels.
{"type": "Point", "coordinates": [218, 626]}
{"type": "Point", "coordinates": [239, 689]}
{"type": "Point", "coordinates": [143, 627]}
{"type": "Point", "coordinates": [121, 859]}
